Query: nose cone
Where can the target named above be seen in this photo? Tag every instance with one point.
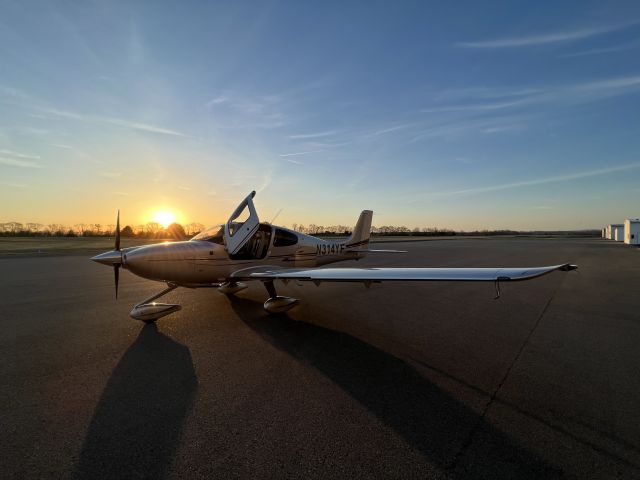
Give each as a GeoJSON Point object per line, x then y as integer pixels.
{"type": "Point", "coordinates": [163, 261]}
{"type": "Point", "coordinates": [109, 258]}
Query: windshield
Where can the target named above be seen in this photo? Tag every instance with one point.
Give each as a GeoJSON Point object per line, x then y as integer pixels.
{"type": "Point", "coordinates": [212, 234]}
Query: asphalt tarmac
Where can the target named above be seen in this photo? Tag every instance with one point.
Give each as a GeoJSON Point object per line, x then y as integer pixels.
{"type": "Point", "coordinates": [401, 380]}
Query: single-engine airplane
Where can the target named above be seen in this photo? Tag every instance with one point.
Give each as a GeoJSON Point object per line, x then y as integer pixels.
{"type": "Point", "coordinates": [225, 256]}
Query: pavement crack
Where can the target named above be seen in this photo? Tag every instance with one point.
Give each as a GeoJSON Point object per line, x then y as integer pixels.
{"type": "Point", "coordinates": [481, 419]}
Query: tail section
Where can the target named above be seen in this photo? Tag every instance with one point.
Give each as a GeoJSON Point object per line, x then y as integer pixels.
{"type": "Point", "coordinates": [362, 231]}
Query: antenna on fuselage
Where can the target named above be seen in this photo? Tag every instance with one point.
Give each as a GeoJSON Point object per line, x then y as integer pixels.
{"type": "Point", "coordinates": [276, 216]}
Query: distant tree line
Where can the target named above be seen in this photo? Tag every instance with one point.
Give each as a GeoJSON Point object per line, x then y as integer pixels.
{"type": "Point", "coordinates": [148, 230]}
{"type": "Point", "coordinates": [399, 231]}
{"type": "Point", "coordinates": [153, 230]}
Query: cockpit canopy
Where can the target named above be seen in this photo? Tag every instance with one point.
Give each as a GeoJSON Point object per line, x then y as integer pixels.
{"type": "Point", "coordinates": [213, 234]}
{"type": "Point", "coordinates": [257, 246]}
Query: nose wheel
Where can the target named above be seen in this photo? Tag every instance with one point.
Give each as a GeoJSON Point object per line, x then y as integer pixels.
{"type": "Point", "coordinates": [276, 303]}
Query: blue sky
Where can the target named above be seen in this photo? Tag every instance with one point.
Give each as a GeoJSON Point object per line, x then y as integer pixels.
{"type": "Point", "coordinates": [462, 115]}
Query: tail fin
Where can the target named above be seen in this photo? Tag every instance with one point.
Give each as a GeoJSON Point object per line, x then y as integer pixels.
{"type": "Point", "coordinates": [361, 232]}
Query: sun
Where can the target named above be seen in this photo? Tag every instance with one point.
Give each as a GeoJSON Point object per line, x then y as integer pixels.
{"type": "Point", "coordinates": [164, 218]}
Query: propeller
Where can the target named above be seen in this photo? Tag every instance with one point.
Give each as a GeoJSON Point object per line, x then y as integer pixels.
{"type": "Point", "coordinates": [114, 257]}
{"type": "Point", "coordinates": [116, 266]}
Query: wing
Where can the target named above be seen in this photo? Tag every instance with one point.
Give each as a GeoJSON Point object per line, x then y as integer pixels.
{"type": "Point", "coordinates": [367, 275]}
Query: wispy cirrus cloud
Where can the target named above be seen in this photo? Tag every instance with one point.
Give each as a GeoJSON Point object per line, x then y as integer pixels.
{"type": "Point", "coordinates": [17, 162]}
{"type": "Point", "coordinates": [266, 181]}
{"type": "Point", "coordinates": [14, 94]}
{"type": "Point", "coordinates": [297, 154]}
{"type": "Point", "coordinates": [12, 158]}
{"type": "Point", "coordinates": [241, 110]}
{"type": "Point", "coordinates": [598, 51]}
{"type": "Point", "coordinates": [14, 154]}
{"type": "Point", "coordinates": [557, 95]}
{"type": "Point", "coordinates": [295, 162]}
{"type": "Point", "coordinates": [484, 93]}
{"type": "Point", "coordinates": [25, 100]}
{"type": "Point", "coordinates": [216, 101]}
{"type": "Point", "coordinates": [546, 38]}
{"type": "Point", "coordinates": [118, 122]}
{"type": "Point", "coordinates": [304, 136]}
{"type": "Point", "coordinates": [143, 127]}
{"type": "Point", "coordinates": [463, 126]}
{"type": "Point", "coordinates": [533, 182]}
{"type": "Point", "coordinates": [476, 106]}
{"type": "Point", "coordinates": [388, 130]}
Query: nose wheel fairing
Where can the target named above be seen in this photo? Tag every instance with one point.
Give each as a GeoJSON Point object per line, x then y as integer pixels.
{"type": "Point", "coordinates": [149, 311]}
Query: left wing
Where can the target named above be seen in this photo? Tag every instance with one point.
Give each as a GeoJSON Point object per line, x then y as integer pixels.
{"type": "Point", "coordinates": [367, 275]}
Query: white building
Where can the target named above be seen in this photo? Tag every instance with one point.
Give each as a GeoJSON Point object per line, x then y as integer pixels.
{"type": "Point", "coordinates": [617, 232]}
{"type": "Point", "coordinates": [632, 231]}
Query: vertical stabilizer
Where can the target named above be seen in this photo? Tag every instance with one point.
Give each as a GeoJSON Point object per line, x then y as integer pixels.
{"type": "Point", "coordinates": [361, 232]}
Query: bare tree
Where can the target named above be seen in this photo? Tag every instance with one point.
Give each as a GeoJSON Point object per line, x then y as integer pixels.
{"type": "Point", "coordinates": [33, 227]}
{"type": "Point", "coordinates": [13, 227]}
{"type": "Point", "coordinates": [152, 228]}
{"type": "Point", "coordinates": [193, 228]}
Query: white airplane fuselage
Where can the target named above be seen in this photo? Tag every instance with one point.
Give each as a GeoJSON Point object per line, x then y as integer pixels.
{"type": "Point", "coordinates": [204, 261]}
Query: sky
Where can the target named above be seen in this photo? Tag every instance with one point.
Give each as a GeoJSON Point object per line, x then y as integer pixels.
{"type": "Point", "coordinates": [463, 115]}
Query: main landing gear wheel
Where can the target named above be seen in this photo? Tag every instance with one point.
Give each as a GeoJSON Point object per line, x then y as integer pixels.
{"type": "Point", "coordinates": [276, 303]}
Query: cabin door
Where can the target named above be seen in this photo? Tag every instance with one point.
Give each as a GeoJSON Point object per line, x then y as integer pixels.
{"type": "Point", "coordinates": [239, 230]}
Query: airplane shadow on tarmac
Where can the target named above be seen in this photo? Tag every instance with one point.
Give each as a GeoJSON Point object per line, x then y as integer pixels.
{"type": "Point", "coordinates": [427, 417]}
{"type": "Point", "coordinates": [138, 422]}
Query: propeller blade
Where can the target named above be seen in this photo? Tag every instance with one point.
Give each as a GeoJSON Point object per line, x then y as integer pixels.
{"type": "Point", "coordinates": [116, 276]}
{"type": "Point", "coordinates": [118, 231]}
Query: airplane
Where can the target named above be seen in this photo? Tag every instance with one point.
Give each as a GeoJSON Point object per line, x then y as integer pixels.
{"type": "Point", "coordinates": [225, 256]}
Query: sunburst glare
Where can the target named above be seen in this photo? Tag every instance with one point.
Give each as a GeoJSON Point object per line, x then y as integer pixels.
{"type": "Point", "coordinates": [164, 218]}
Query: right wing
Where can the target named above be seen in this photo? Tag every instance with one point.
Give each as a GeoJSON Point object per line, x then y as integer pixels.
{"type": "Point", "coordinates": [367, 275]}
